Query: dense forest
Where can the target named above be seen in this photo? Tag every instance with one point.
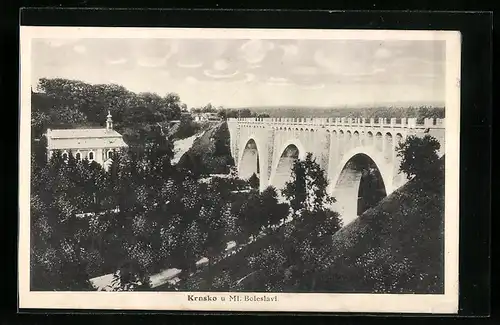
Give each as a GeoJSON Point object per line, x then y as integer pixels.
{"type": "Point", "coordinates": [418, 111]}
{"type": "Point", "coordinates": [145, 215]}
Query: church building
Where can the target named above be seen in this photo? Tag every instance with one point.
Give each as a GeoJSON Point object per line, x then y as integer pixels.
{"type": "Point", "coordinates": [94, 144]}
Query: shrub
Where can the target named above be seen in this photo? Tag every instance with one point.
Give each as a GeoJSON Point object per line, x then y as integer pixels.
{"type": "Point", "coordinates": [417, 154]}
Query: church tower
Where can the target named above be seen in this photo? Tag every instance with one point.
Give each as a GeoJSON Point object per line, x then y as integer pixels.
{"type": "Point", "coordinates": [109, 122]}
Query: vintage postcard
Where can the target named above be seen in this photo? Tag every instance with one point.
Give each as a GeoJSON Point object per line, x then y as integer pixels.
{"type": "Point", "coordinates": [239, 169]}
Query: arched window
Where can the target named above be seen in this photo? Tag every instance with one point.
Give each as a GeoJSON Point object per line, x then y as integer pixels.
{"type": "Point", "coordinates": [65, 155]}
{"type": "Point", "coordinates": [91, 155]}
{"type": "Point", "coordinates": [110, 154]}
{"type": "Point", "coordinates": [78, 156]}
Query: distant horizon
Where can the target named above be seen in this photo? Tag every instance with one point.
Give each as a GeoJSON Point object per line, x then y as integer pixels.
{"type": "Point", "coordinates": [398, 104]}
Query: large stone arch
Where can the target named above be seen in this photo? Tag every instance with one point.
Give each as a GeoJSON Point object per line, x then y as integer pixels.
{"type": "Point", "coordinates": [346, 179]}
{"type": "Point", "coordinates": [280, 162]}
{"type": "Point", "coordinates": [251, 159]}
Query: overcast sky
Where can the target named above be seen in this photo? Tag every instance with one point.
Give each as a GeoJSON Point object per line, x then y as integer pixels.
{"type": "Point", "coordinates": [239, 73]}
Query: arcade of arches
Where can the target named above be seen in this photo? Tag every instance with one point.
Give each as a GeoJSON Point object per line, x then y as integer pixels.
{"type": "Point", "coordinates": [359, 186]}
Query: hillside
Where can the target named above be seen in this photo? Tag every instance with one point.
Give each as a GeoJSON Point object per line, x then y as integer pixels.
{"type": "Point", "coordinates": [210, 153]}
{"type": "Point", "coordinates": [183, 145]}
{"type": "Point", "coordinates": [395, 247]}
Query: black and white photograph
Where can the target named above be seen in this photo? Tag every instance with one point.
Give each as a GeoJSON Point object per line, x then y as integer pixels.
{"type": "Point", "coordinates": [239, 169]}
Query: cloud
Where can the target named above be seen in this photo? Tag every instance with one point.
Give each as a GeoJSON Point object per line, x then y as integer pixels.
{"type": "Point", "coordinates": [290, 52]}
{"type": "Point", "coordinates": [55, 43]}
{"type": "Point", "coordinates": [151, 62]}
{"type": "Point", "coordinates": [383, 53]}
{"type": "Point", "coordinates": [424, 75]}
{"type": "Point", "coordinates": [305, 70]}
{"type": "Point", "coordinates": [60, 42]}
{"type": "Point", "coordinates": [249, 77]}
{"type": "Point", "coordinates": [117, 61]}
{"type": "Point", "coordinates": [278, 81]}
{"type": "Point", "coordinates": [158, 61]}
{"type": "Point", "coordinates": [217, 75]}
{"type": "Point", "coordinates": [79, 49]}
{"type": "Point", "coordinates": [255, 51]}
{"type": "Point", "coordinates": [330, 64]}
{"type": "Point", "coordinates": [191, 80]}
{"type": "Point", "coordinates": [221, 65]}
{"type": "Point", "coordinates": [410, 61]}
{"type": "Point", "coordinates": [372, 72]}
{"type": "Point", "coordinates": [318, 86]}
{"type": "Point", "coordinates": [190, 65]}
{"type": "Point", "coordinates": [378, 70]}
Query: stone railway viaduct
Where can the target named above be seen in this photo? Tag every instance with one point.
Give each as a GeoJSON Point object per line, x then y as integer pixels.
{"type": "Point", "coordinates": [344, 147]}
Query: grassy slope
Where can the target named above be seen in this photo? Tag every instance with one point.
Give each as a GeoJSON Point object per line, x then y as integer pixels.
{"type": "Point", "coordinates": [210, 153]}
{"type": "Point", "coordinates": [396, 247]}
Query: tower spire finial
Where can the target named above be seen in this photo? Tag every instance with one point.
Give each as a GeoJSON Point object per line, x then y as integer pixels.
{"type": "Point", "coordinates": [109, 121]}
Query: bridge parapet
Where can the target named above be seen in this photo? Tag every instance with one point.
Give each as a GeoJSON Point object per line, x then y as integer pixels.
{"type": "Point", "coordinates": [410, 123]}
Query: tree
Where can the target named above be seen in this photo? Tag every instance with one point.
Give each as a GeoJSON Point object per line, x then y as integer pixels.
{"type": "Point", "coordinates": [57, 256]}
{"type": "Point", "coordinates": [187, 127]}
{"type": "Point", "coordinates": [254, 182]}
{"type": "Point", "coordinates": [315, 222]}
{"type": "Point", "coordinates": [417, 154]}
{"type": "Point", "coordinates": [307, 189]}
{"type": "Point", "coordinates": [295, 190]}
{"type": "Point", "coordinates": [273, 260]}
{"type": "Point", "coordinates": [68, 103]}
{"type": "Point", "coordinates": [131, 277]}
{"type": "Point", "coordinates": [222, 113]}
{"type": "Point", "coordinates": [249, 217]}
{"type": "Point", "coordinates": [273, 211]}
{"type": "Point", "coordinates": [222, 281]}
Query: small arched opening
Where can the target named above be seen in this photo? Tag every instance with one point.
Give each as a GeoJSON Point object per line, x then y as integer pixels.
{"type": "Point", "coordinates": [388, 146]}
{"type": "Point", "coordinates": [356, 138]}
{"type": "Point", "coordinates": [378, 141]}
{"type": "Point", "coordinates": [369, 138]}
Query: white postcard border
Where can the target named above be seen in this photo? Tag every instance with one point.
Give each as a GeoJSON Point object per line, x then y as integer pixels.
{"type": "Point", "coordinates": [296, 302]}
